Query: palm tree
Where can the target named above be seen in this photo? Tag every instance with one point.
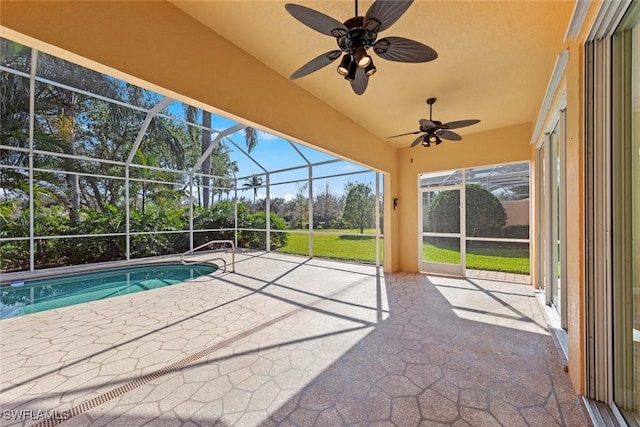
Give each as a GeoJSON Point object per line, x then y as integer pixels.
{"type": "Point", "coordinates": [64, 108]}
{"type": "Point", "coordinates": [14, 117]}
{"type": "Point", "coordinates": [223, 168]}
{"type": "Point", "coordinates": [254, 182]}
{"type": "Point", "coordinates": [250, 138]}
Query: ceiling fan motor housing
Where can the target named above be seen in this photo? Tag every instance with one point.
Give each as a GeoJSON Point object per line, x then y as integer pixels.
{"type": "Point", "coordinates": [357, 36]}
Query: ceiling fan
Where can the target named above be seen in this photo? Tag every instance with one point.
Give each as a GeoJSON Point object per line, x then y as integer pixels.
{"type": "Point", "coordinates": [358, 34]}
{"type": "Point", "coordinates": [435, 131]}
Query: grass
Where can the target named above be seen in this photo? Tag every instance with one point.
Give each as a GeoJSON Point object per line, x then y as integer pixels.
{"type": "Point", "coordinates": [340, 244]}
{"type": "Point", "coordinates": [360, 247]}
{"type": "Point", "coordinates": [493, 259]}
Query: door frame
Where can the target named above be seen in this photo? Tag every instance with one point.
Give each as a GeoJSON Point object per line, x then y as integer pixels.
{"type": "Point", "coordinates": [437, 267]}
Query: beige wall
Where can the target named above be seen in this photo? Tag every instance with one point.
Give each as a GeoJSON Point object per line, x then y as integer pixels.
{"type": "Point", "coordinates": [574, 86]}
{"type": "Point", "coordinates": [517, 211]}
{"type": "Point", "coordinates": [504, 145]}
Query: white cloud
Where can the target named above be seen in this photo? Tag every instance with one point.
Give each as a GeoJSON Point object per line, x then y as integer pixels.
{"type": "Point", "coordinates": [288, 197]}
{"type": "Point", "coordinates": [264, 136]}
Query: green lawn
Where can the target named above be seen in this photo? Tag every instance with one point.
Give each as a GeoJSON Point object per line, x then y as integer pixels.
{"type": "Point", "coordinates": [359, 247]}
{"type": "Point", "coordinates": [492, 259]}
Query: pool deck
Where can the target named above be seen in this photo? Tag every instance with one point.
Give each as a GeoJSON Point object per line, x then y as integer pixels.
{"type": "Point", "coordinates": [291, 341]}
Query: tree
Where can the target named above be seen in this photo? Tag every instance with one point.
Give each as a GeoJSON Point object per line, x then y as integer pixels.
{"type": "Point", "coordinates": [359, 205]}
{"type": "Point", "coordinates": [164, 145]}
{"type": "Point", "coordinates": [277, 205]}
{"type": "Point", "coordinates": [223, 169]}
{"type": "Point", "coordinates": [65, 110]}
{"type": "Point", "coordinates": [253, 183]}
{"type": "Point", "coordinates": [14, 130]}
{"type": "Point", "coordinates": [206, 165]}
{"type": "Point", "coordinates": [326, 206]}
{"type": "Point", "coordinates": [483, 211]}
{"type": "Point", "coordinates": [218, 157]}
{"type": "Point", "coordinates": [250, 138]}
{"type": "Point", "coordinates": [299, 206]}
{"type": "Point", "coordinates": [73, 123]}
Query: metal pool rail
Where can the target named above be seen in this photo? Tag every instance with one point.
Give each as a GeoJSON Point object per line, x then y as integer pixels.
{"type": "Point", "coordinates": [233, 254]}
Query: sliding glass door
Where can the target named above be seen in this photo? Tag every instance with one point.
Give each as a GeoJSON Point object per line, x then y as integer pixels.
{"type": "Point", "coordinates": [626, 216]}
{"type": "Point", "coordinates": [552, 219]}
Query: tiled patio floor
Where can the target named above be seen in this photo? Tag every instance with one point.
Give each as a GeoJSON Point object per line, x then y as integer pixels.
{"type": "Point", "coordinates": [293, 342]}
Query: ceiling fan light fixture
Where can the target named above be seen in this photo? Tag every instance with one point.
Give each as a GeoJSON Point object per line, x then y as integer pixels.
{"type": "Point", "coordinates": [433, 138]}
{"type": "Point", "coordinates": [370, 70]}
{"type": "Point", "coordinates": [438, 140]}
{"type": "Point", "coordinates": [425, 141]}
{"type": "Point", "coordinates": [361, 58]}
{"type": "Point", "coordinates": [343, 68]}
{"type": "Point", "coordinates": [353, 67]}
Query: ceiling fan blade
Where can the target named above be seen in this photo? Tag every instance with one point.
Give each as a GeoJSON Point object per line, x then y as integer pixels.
{"type": "Point", "coordinates": [417, 141]}
{"type": "Point", "coordinates": [316, 20]}
{"type": "Point", "coordinates": [426, 124]}
{"type": "Point", "coordinates": [451, 136]}
{"type": "Point", "coordinates": [460, 124]}
{"type": "Point", "coordinates": [383, 13]}
{"type": "Point", "coordinates": [359, 84]}
{"type": "Point", "coordinates": [316, 63]}
{"type": "Point", "coordinates": [405, 134]}
{"type": "Point", "coordinates": [403, 50]}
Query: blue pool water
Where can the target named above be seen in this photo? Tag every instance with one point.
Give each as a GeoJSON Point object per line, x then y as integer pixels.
{"type": "Point", "coordinates": [20, 298]}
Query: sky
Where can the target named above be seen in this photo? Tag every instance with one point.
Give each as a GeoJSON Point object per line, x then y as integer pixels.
{"type": "Point", "coordinates": [273, 153]}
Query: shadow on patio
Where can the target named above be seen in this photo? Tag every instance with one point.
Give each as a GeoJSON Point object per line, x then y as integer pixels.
{"type": "Point", "coordinates": [314, 342]}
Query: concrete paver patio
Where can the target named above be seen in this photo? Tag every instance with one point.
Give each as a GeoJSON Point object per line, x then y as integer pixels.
{"type": "Point", "coordinates": [292, 342]}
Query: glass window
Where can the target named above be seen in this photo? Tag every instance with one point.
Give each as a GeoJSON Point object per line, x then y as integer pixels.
{"type": "Point", "coordinates": [441, 179]}
{"type": "Point", "coordinates": [626, 216]}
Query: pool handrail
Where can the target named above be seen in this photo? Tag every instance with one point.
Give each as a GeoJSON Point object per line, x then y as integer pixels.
{"type": "Point", "coordinates": [233, 253]}
{"type": "Point", "coordinates": [224, 263]}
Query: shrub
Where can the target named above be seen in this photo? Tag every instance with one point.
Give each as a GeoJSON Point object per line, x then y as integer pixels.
{"type": "Point", "coordinates": [218, 216]}
{"type": "Point", "coordinates": [484, 211]}
{"type": "Point", "coordinates": [257, 239]}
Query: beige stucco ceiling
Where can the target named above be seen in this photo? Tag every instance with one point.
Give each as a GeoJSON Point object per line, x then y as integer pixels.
{"type": "Point", "coordinates": [495, 58]}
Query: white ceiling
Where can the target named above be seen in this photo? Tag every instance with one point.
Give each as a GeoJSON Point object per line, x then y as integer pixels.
{"type": "Point", "coordinates": [495, 58]}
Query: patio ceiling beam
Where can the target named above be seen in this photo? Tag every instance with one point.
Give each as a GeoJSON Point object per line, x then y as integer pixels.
{"type": "Point", "coordinates": [214, 144]}
{"type": "Point", "coordinates": [147, 121]}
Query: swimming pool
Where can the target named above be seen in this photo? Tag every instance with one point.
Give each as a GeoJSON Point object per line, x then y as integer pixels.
{"type": "Point", "coordinates": [20, 298]}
